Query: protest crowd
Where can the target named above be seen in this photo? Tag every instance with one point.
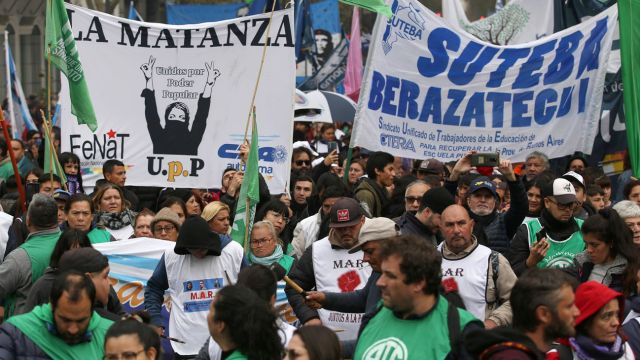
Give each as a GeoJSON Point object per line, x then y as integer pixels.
{"type": "Point", "coordinates": [364, 255]}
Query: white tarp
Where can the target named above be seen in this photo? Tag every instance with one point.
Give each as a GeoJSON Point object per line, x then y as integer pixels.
{"type": "Point", "coordinates": [146, 79]}
{"type": "Point", "coordinates": [430, 91]}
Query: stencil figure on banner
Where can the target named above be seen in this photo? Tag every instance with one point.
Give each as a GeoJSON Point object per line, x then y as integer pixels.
{"type": "Point", "coordinates": [177, 136]}
{"type": "Point", "coordinates": [327, 265]}
{"type": "Point", "coordinates": [430, 91]}
{"type": "Point", "coordinates": [193, 272]}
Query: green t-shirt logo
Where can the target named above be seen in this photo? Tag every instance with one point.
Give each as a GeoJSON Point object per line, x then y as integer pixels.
{"type": "Point", "coordinates": [390, 348]}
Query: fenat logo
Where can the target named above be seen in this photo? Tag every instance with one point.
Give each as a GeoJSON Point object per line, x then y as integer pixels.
{"type": "Point", "coordinates": [406, 23]}
{"type": "Point", "coordinates": [387, 349]}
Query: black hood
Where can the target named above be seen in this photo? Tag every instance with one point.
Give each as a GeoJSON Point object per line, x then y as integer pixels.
{"type": "Point", "coordinates": [195, 234]}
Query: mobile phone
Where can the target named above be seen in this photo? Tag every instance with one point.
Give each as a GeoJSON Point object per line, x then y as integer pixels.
{"type": "Point", "coordinates": [332, 145]}
{"type": "Point", "coordinates": [541, 234]}
{"type": "Point", "coordinates": [485, 159]}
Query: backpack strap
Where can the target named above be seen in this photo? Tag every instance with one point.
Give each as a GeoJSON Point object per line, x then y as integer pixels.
{"type": "Point", "coordinates": [494, 262]}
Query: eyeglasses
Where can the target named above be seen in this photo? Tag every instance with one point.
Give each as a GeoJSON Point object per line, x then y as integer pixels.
{"type": "Point", "coordinates": [278, 216]}
{"type": "Point", "coordinates": [127, 355]}
{"type": "Point", "coordinates": [412, 199]}
{"type": "Point", "coordinates": [260, 242]}
{"type": "Point", "coordinates": [303, 162]}
{"type": "Point", "coordinates": [569, 206]}
{"type": "Point", "coordinates": [160, 229]}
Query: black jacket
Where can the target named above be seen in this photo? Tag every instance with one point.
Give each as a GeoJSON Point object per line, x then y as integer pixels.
{"type": "Point", "coordinates": [410, 225]}
{"type": "Point", "coordinates": [496, 230]}
{"type": "Point", "coordinates": [499, 342]}
{"type": "Point", "coordinates": [15, 345]}
{"type": "Point", "coordinates": [519, 251]}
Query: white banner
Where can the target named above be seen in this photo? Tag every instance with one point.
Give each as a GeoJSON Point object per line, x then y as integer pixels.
{"type": "Point", "coordinates": [172, 101]}
{"type": "Point", "coordinates": [431, 92]}
{"type": "Point", "coordinates": [520, 21]}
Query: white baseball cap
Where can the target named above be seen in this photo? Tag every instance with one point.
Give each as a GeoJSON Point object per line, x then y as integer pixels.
{"type": "Point", "coordinates": [562, 190]}
{"type": "Point", "coordinates": [574, 176]}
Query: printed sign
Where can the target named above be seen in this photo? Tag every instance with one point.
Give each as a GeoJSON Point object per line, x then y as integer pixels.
{"type": "Point", "coordinates": [172, 101]}
{"type": "Point", "coordinates": [432, 92]}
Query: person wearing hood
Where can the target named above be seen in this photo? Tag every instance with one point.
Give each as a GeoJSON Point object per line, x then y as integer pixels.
{"type": "Point", "coordinates": [577, 163]}
{"type": "Point", "coordinates": [543, 303]}
{"type": "Point", "coordinates": [194, 271]}
{"type": "Point", "coordinates": [493, 229]}
{"type": "Point", "coordinates": [553, 239]}
{"type": "Point", "coordinates": [597, 327]}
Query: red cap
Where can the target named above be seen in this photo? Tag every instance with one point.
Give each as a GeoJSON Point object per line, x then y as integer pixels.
{"type": "Point", "coordinates": [591, 296]}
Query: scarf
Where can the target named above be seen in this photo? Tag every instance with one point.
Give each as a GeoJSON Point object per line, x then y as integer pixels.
{"type": "Point", "coordinates": [116, 221]}
{"type": "Point", "coordinates": [586, 349]}
{"type": "Point", "coordinates": [267, 260]}
{"type": "Point", "coordinates": [557, 229]}
{"type": "Point", "coordinates": [38, 326]}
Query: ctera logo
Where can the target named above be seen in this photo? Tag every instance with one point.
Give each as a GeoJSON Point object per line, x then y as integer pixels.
{"type": "Point", "coordinates": [276, 154]}
{"type": "Point", "coordinates": [397, 142]}
{"type": "Point", "coordinates": [406, 23]}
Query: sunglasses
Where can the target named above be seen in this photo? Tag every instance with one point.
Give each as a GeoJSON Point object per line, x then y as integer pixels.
{"type": "Point", "coordinates": [303, 162]}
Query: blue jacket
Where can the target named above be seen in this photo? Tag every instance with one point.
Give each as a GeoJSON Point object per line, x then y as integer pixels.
{"type": "Point", "coordinates": [15, 345]}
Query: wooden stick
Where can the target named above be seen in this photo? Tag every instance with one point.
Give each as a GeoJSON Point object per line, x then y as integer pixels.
{"type": "Point", "coordinates": [14, 164]}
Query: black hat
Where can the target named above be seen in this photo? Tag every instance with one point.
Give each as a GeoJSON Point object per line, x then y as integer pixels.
{"type": "Point", "coordinates": [345, 212]}
{"type": "Point", "coordinates": [85, 260]}
{"type": "Point", "coordinates": [195, 234]}
{"type": "Point", "coordinates": [437, 199]}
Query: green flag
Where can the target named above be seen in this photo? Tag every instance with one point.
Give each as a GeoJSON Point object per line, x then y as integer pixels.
{"type": "Point", "coordinates": [64, 55]}
{"type": "Point", "coordinates": [249, 193]}
{"type": "Point", "coordinates": [628, 11]}
{"type": "Point", "coordinates": [378, 6]}
{"type": "Point", "coordinates": [51, 163]}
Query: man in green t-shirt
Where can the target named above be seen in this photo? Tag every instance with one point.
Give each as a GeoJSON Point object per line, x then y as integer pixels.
{"type": "Point", "coordinates": [416, 322]}
{"type": "Point", "coordinates": [66, 328]}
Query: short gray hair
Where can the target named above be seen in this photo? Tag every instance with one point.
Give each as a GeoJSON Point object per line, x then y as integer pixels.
{"type": "Point", "coordinates": [267, 224]}
{"type": "Point", "coordinates": [627, 209]}
{"type": "Point", "coordinates": [42, 212]}
{"type": "Point", "coordinates": [414, 183]}
{"type": "Point", "coordinates": [540, 155]}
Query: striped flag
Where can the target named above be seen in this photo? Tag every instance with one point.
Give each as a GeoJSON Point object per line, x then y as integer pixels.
{"type": "Point", "coordinates": [18, 109]}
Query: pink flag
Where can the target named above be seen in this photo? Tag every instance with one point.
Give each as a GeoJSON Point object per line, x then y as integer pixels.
{"type": "Point", "coordinates": [353, 77]}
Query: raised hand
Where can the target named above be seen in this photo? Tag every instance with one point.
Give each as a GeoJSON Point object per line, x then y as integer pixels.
{"type": "Point", "coordinates": [212, 73]}
{"type": "Point", "coordinates": [147, 69]}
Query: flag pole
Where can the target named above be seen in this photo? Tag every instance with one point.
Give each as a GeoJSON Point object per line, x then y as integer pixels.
{"type": "Point", "coordinates": [247, 214]}
{"type": "Point", "coordinates": [53, 154]}
{"type": "Point", "coordinates": [14, 164]}
{"type": "Point", "coordinates": [255, 88]}
{"type": "Point", "coordinates": [7, 62]}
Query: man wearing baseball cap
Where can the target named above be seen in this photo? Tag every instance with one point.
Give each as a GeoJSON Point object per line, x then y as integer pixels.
{"type": "Point", "coordinates": [328, 266]}
{"type": "Point", "coordinates": [492, 228]}
{"type": "Point", "coordinates": [553, 239]}
{"type": "Point", "coordinates": [577, 181]}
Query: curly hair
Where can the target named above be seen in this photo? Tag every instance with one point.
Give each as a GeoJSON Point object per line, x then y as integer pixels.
{"type": "Point", "coordinates": [249, 321]}
{"type": "Point", "coordinates": [420, 260]}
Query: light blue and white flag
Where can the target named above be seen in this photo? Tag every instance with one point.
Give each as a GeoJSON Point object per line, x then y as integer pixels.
{"type": "Point", "coordinates": [18, 109]}
{"type": "Point", "coordinates": [133, 12]}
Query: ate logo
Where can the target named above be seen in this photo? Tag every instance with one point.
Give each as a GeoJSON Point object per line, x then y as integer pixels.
{"type": "Point", "coordinates": [349, 281]}
{"type": "Point", "coordinates": [343, 215]}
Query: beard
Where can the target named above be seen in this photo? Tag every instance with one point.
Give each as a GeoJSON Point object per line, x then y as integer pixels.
{"type": "Point", "coordinates": [558, 329]}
